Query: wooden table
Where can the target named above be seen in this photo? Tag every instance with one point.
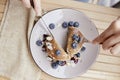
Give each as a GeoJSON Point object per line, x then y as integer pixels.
{"type": "Point", "coordinates": [107, 66]}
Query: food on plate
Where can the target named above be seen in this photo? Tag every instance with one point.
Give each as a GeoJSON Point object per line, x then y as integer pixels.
{"type": "Point", "coordinates": [64, 24]}
{"type": "Point", "coordinates": [55, 64]}
{"type": "Point", "coordinates": [75, 41]}
{"type": "Point", "coordinates": [52, 26]}
{"type": "Point", "coordinates": [76, 24]}
{"type": "Point", "coordinates": [39, 42]}
{"type": "Point", "coordinates": [83, 49]}
{"type": "Point", "coordinates": [56, 54]}
{"type": "Point", "coordinates": [53, 49]}
{"type": "Point", "coordinates": [70, 23]}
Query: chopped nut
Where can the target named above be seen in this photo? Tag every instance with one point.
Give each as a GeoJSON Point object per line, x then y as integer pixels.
{"type": "Point", "coordinates": [49, 58]}
{"type": "Point", "coordinates": [49, 38]}
{"type": "Point", "coordinates": [48, 44]}
{"type": "Point", "coordinates": [50, 47]}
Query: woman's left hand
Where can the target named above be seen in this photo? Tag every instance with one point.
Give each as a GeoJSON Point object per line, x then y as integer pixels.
{"type": "Point", "coordinates": [37, 5]}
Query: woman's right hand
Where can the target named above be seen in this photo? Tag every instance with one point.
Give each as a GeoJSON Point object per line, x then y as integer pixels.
{"type": "Point", "coordinates": [110, 38]}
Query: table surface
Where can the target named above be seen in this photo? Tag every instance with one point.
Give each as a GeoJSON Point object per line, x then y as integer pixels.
{"type": "Point", "coordinates": [107, 66]}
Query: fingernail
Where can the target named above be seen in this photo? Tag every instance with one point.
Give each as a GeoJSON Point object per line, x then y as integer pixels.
{"type": "Point", "coordinates": [111, 52]}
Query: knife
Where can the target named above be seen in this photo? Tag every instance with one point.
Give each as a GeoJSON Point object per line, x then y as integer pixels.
{"type": "Point", "coordinates": [40, 17]}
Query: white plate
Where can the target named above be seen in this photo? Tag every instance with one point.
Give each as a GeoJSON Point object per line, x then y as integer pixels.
{"type": "Point", "coordinates": [57, 17]}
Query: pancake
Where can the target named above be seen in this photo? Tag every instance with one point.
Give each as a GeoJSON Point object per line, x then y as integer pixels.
{"type": "Point", "coordinates": [54, 50]}
{"type": "Point", "coordinates": [75, 41]}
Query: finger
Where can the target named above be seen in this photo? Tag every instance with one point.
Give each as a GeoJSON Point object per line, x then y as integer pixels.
{"type": "Point", "coordinates": [108, 32]}
{"type": "Point", "coordinates": [115, 49]}
{"type": "Point", "coordinates": [26, 3]}
{"type": "Point", "coordinates": [118, 18]}
{"type": "Point", "coordinates": [37, 7]}
{"type": "Point", "coordinates": [117, 25]}
{"type": "Point", "coordinates": [113, 40]}
{"type": "Point", "coordinates": [112, 29]}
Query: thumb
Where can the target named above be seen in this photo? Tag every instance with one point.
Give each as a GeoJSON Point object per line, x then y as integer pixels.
{"type": "Point", "coordinates": [37, 7]}
{"type": "Point", "coordinates": [104, 35]}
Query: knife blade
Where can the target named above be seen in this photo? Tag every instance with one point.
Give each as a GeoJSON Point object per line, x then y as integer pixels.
{"type": "Point", "coordinates": [40, 17]}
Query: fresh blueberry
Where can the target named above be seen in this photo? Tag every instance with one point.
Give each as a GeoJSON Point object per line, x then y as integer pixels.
{"type": "Point", "coordinates": [62, 63]}
{"type": "Point", "coordinates": [83, 48]}
{"type": "Point", "coordinates": [74, 45]}
{"type": "Point", "coordinates": [76, 24]}
{"type": "Point", "coordinates": [71, 23]}
{"type": "Point", "coordinates": [75, 37]}
{"type": "Point", "coordinates": [77, 55]}
{"type": "Point", "coordinates": [65, 25]}
{"type": "Point", "coordinates": [54, 65]}
{"type": "Point", "coordinates": [51, 26]}
{"type": "Point", "coordinates": [57, 52]}
{"type": "Point", "coordinates": [76, 61]}
{"type": "Point", "coordinates": [39, 42]}
{"type": "Point", "coordinates": [79, 39]}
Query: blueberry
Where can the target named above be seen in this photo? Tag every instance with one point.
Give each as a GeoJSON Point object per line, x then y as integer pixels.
{"type": "Point", "coordinates": [65, 25]}
{"type": "Point", "coordinates": [76, 61]}
{"type": "Point", "coordinates": [57, 52]}
{"type": "Point", "coordinates": [79, 39]}
{"type": "Point", "coordinates": [76, 24]}
{"type": "Point", "coordinates": [74, 45]}
{"type": "Point", "coordinates": [75, 37]}
{"type": "Point", "coordinates": [62, 63]}
{"type": "Point", "coordinates": [39, 42]}
{"type": "Point", "coordinates": [51, 26]}
{"type": "Point", "coordinates": [77, 55]}
{"type": "Point", "coordinates": [71, 23]}
{"type": "Point", "coordinates": [83, 48]}
{"type": "Point", "coordinates": [54, 65]}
